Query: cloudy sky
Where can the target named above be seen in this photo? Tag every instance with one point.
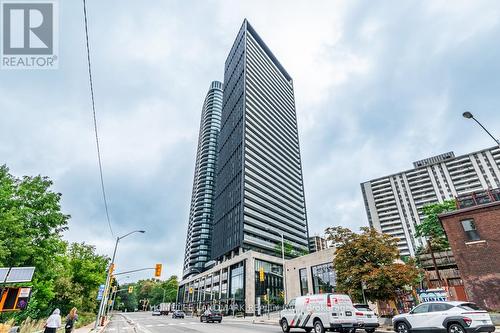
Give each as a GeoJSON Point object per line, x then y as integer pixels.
{"type": "Point", "coordinates": [378, 85]}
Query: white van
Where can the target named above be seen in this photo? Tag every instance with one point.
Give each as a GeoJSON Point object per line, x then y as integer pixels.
{"type": "Point", "coordinates": [325, 312]}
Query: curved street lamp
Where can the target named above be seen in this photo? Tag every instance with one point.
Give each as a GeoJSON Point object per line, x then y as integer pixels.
{"type": "Point", "coordinates": [469, 115]}
{"type": "Point", "coordinates": [104, 300]}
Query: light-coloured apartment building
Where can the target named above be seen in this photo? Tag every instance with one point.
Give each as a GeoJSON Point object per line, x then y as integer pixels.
{"type": "Point", "coordinates": [394, 203]}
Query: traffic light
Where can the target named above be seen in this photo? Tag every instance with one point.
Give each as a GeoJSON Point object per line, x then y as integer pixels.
{"type": "Point", "coordinates": [190, 290]}
{"type": "Point", "coordinates": [114, 289]}
{"type": "Point", "coordinates": [261, 274]}
{"type": "Point", "coordinates": [265, 297]}
{"type": "Point", "coordinates": [111, 268]}
{"type": "Point", "coordinates": [158, 270]}
{"type": "Point", "coordinates": [130, 289]}
{"type": "Point", "coordinates": [282, 294]}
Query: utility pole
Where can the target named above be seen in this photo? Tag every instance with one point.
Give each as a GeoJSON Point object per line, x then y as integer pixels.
{"type": "Point", "coordinates": [284, 269]}
{"type": "Point", "coordinates": [104, 300]}
{"type": "Point", "coordinates": [268, 297]}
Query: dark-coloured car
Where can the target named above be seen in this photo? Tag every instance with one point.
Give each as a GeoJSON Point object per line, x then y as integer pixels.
{"type": "Point", "coordinates": [211, 316]}
{"type": "Point", "coordinates": [178, 314]}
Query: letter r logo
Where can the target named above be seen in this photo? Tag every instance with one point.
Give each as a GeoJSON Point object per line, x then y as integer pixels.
{"type": "Point", "coordinates": [28, 28]}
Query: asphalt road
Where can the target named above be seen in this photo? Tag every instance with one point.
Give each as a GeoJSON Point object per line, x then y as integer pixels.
{"type": "Point", "coordinates": [144, 322]}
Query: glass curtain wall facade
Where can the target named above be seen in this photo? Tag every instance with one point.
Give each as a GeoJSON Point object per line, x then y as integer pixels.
{"type": "Point", "coordinates": [200, 226]}
{"type": "Point", "coordinates": [273, 280]}
{"type": "Point", "coordinates": [324, 278]}
{"type": "Point", "coordinates": [259, 193]}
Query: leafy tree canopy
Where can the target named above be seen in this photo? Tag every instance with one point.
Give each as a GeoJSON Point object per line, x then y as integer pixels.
{"type": "Point", "coordinates": [153, 290]}
{"type": "Point", "coordinates": [431, 227]}
{"type": "Point", "coordinates": [371, 259]}
{"type": "Point", "coordinates": [31, 227]}
{"type": "Point", "coordinates": [289, 250]}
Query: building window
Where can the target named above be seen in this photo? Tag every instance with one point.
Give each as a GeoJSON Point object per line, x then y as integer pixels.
{"type": "Point", "coordinates": [324, 280]}
{"type": "Point", "coordinates": [273, 281]}
{"type": "Point", "coordinates": [304, 289]}
{"type": "Point", "coordinates": [470, 229]}
{"type": "Point", "coordinates": [237, 277]}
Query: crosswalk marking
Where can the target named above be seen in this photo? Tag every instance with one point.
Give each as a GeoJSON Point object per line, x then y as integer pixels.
{"type": "Point", "coordinates": [112, 329]}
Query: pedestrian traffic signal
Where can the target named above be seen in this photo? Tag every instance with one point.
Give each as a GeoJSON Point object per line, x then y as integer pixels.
{"type": "Point", "coordinates": [130, 289]}
{"type": "Point", "coordinates": [261, 274]}
{"type": "Point", "coordinates": [158, 270]}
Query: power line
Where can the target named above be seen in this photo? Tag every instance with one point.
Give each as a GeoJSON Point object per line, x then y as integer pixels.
{"type": "Point", "coordinates": [95, 119]}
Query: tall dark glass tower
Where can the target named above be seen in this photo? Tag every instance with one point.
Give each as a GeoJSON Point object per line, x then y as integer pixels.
{"type": "Point", "coordinates": [199, 235]}
{"type": "Point", "coordinates": [259, 191]}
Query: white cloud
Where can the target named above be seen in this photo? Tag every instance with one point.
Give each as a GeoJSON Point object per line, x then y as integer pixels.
{"type": "Point", "coordinates": [377, 85]}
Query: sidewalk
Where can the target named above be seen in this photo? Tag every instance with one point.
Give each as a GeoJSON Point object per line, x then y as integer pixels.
{"type": "Point", "coordinates": [90, 328]}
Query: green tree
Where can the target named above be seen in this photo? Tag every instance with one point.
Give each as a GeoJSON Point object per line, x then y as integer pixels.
{"type": "Point", "coordinates": [125, 300]}
{"type": "Point", "coordinates": [289, 250]}
{"type": "Point", "coordinates": [31, 226]}
{"type": "Point", "coordinates": [431, 227]}
{"type": "Point", "coordinates": [81, 272]}
{"type": "Point", "coordinates": [371, 259]}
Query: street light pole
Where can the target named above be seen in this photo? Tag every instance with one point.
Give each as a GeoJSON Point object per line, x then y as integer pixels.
{"type": "Point", "coordinates": [284, 269]}
{"type": "Point", "coordinates": [469, 115]}
{"type": "Point", "coordinates": [104, 299]}
{"type": "Point", "coordinates": [283, 261]}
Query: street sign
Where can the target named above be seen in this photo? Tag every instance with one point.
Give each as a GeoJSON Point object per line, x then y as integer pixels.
{"type": "Point", "coordinates": [16, 274]}
{"type": "Point", "coordinates": [100, 293]}
{"type": "Point", "coordinates": [24, 292]}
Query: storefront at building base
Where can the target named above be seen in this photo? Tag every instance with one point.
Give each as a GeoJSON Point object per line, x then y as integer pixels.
{"type": "Point", "coordinates": [235, 286]}
{"type": "Point", "coordinates": [251, 283]}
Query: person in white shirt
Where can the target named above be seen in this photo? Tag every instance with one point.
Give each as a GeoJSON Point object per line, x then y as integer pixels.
{"type": "Point", "coordinates": [53, 322]}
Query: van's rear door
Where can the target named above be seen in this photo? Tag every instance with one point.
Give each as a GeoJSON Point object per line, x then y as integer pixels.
{"type": "Point", "coordinates": [342, 307]}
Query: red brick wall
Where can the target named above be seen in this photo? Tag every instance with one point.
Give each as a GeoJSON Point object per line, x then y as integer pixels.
{"type": "Point", "coordinates": [479, 262]}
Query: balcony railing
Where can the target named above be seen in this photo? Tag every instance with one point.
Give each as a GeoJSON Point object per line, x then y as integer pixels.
{"type": "Point", "coordinates": [477, 198]}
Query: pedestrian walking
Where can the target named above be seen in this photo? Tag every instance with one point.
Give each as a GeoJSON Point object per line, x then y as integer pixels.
{"type": "Point", "coordinates": [53, 322]}
{"type": "Point", "coordinates": [71, 318]}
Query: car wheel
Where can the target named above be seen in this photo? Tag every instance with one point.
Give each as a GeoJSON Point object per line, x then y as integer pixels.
{"type": "Point", "coordinates": [284, 326]}
{"type": "Point", "coordinates": [456, 328]}
{"type": "Point", "coordinates": [201, 319]}
{"type": "Point", "coordinates": [402, 327]}
{"type": "Point", "coordinates": [318, 327]}
{"type": "Point", "coordinates": [308, 330]}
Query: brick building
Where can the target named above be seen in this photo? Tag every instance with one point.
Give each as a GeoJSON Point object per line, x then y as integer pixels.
{"type": "Point", "coordinates": [474, 235]}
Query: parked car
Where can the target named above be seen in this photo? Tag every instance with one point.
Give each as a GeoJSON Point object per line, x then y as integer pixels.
{"type": "Point", "coordinates": [178, 314]}
{"type": "Point", "coordinates": [366, 318]}
{"type": "Point", "coordinates": [451, 317]}
{"type": "Point", "coordinates": [211, 316]}
{"type": "Point", "coordinates": [332, 312]}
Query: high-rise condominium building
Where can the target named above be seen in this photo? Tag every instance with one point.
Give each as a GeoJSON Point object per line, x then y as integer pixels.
{"type": "Point", "coordinates": [317, 243]}
{"type": "Point", "coordinates": [199, 235]}
{"type": "Point", "coordinates": [259, 191]}
{"type": "Point", "coordinates": [394, 203]}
